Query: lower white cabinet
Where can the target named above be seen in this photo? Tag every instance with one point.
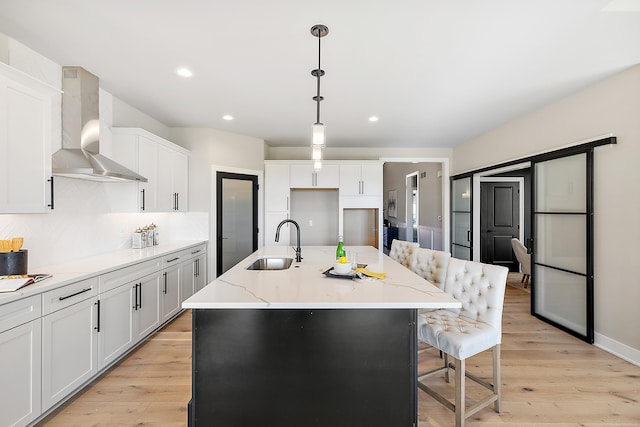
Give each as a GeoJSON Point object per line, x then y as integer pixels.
{"type": "Point", "coordinates": [55, 342]}
{"type": "Point", "coordinates": [193, 273]}
{"type": "Point", "coordinates": [187, 279]}
{"type": "Point", "coordinates": [170, 292]}
{"type": "Point", "coordinates": [116, 324]}
{"type": "Point", "coordinates": [69, 350]}
{"type": "Point", "coordinates": [146, 308]}
{"type": "Point", "coordinates": [20, 348]}
{"type": "Point", "coordinates": [200, 274]}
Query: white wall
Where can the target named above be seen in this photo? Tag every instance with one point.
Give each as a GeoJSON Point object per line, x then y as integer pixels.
{"type": "Point", "coordinates": [213, 147]}
{"type": "Point", "coordinates": [611, 106]}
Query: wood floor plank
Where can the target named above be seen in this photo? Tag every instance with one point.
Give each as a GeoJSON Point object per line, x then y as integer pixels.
{"type": "Point", "coordinates": [549, 378]}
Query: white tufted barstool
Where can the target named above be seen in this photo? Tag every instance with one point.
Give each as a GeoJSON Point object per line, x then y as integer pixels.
{"type": "Point", "coordinates": [400, 250]}
{"type": "Point", "coordinates": [429, 264]}
{"type": "Point", "coordinates": [462, 333]}
{"type": "Point", "coordinates": [524, 259]}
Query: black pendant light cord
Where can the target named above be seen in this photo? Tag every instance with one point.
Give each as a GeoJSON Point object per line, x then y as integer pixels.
{"type": "Point", "coordinates": [318, 31]}
{"type": "Point", "coordinates": [318, 74]}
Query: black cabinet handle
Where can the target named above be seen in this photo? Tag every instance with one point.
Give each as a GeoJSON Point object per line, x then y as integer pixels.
{"type": "Point", "coordinates": [140, 290]}
{"type": "Point", "coordinates": [143, 198]}
{"type": "Point", "coordinates": [51, 181]}
{"type": "Point", "coordinates": [135, 302]}
{"type": "Point", "coordinates": [74, 294]}
{"type": "Point", "coordinates": [164, 291]}
{"type": "Point", "coordinates": [173, 259]}
{"type": "Point", "coordinates": [97, 328]}
{"type": "Point", "coordinates": [468, 235]}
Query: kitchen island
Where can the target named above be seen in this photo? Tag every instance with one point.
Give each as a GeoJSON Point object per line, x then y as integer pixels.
{"type": "Point", "coordinates": [294, 347]}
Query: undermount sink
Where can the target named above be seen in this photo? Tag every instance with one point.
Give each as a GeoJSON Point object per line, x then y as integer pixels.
{"type": "Point", "coordinates": [271, 264]}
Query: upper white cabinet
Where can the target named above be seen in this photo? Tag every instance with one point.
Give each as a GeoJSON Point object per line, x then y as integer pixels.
{"type": "Point", "coordinates": [172, 179]}
{"type": "Point", "coordinates": [276, 201]}
{"type": "Point", "coordinates": [304, 176]}
{"type": "Point", "coordinates": [361, 179]}
{"type": "Point", "coordinates": [25, 142]}
{"type": "Point", "coordinates": [276, 187]}
{"type": "Point", "coordinates": [164, 164]}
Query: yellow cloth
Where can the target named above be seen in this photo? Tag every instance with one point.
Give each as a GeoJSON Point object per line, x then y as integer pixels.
{"type": "Point", "coordinates": [371, 273]}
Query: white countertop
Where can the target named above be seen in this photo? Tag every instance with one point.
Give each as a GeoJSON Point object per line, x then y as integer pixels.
{"type": "Point", "coordinates": [304, 286]}
{"type": "Point", "coordinates": [84, 268]}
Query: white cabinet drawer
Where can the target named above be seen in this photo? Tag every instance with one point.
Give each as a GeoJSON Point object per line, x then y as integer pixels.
{"type": "Point", "coordinates": [68, 295]}
{"type": "Point", "coordinates": [19, 312]}
{"type": "Point", "coordinates": [113, 279]}
{"type": "Point", "coordinates": [193, 252]}
{"type": "Point", "coordinates": [174, 258]}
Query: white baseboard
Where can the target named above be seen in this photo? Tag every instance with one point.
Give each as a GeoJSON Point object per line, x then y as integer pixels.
{"type": "Point", "coordinates": [623, 351]}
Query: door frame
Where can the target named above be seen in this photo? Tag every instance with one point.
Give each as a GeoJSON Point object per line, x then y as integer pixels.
{"type": "Point", "coordinates": [212, 252]}
{"type": "Point", "coordinates": [220, 176]}
{"type": "Point", "coordinates": [446, 191]}
{"type": "Point", "coordinates": [477, 179]}
{"type": "Point", "coordinates": [408, 214]}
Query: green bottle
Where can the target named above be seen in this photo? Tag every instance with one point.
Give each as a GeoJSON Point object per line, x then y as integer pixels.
{"type": "Point", "coordinates": [340, 252]}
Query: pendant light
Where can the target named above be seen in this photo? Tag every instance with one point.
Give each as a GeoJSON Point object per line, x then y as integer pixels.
{"type": "Point", "coordinates": [317, 129]}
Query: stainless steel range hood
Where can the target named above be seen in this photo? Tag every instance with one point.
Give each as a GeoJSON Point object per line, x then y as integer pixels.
{"type": "Point", "coordinates": [80, 154]}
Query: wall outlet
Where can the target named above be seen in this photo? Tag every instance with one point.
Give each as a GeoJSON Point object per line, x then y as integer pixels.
{"type": "Point", "coordinates": [310, 223]}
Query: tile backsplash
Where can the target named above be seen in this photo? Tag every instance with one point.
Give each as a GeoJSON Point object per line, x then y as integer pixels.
{"type": "Point", "coordinates": [91, 218]}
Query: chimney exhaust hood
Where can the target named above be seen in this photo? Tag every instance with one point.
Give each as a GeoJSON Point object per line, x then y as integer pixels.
{"type": "Point", "coordinates": [80, 154]}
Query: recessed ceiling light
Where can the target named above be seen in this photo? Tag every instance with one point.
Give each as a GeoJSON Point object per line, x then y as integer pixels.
{"type": "Point", "coordinates": [373, 119]}
{"type": "Point", "coordinates": [184, 72]}
{"type": "Point", "coordinates": [227, 117]}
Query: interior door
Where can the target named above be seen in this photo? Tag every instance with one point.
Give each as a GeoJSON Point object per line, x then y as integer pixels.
{"type": "Point", "coordinates": [237, 218]}
{"type": "Point", "coordinates": [499, 222]}
{"type": "Point", "coordinates": [461, 242]}
{"type": "Point", "coordinates": [562, 258]}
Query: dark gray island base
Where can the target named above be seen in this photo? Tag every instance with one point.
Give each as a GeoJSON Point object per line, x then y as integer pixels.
{"type": "Point", "coordinates": [304, 367]}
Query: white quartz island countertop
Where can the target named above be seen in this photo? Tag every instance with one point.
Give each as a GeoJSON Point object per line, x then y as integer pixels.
{"type": "Point", "coordinates": [304, 285]}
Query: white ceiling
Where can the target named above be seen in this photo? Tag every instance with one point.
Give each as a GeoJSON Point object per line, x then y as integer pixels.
{"type": "Point", "coordinates": [436, 72]}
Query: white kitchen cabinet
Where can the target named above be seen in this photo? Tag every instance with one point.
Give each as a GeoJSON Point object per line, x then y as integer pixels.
{"type": "Point", "coordinates": [116, 324]}
{"type": "Point", "coordinates": [171, 287]}
{"type": "Point", "coordinates": [187, 279]}
{"type": "Point", "coordinates": [271, 221]}
{"type": "Point", "coordinates": [304, 176]}
{"type": "Point", "coordinates": [276, 191]}
{"type": "Point", "coordinates": [26, 134]}
{"type": "Point", "coordinates": [172, 179]}
{"type": "Point", "coordinates": [146, 299]}
{"type": "Point", "coordinates": [276, 201]}
{"type": "Point", "coordinates": [193, 272]}
{"type": "Point", "coordinates": [139, 153]}
{"type": "Point", "coordinates": [129, 308]}
{"type": "Point", "coordinates": [163, 163]}
{"type": "Point", "coordinates": [69, 350]}
{"type": "Point", "coordinates": [200, 273]}
{"type": "Point", "coordinates": [20, 370]}
{"type": "Point", "coordinates": [361, 179]}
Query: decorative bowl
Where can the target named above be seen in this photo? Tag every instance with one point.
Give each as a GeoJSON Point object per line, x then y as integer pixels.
{"type": "Point", "coordinates": [342, 268]}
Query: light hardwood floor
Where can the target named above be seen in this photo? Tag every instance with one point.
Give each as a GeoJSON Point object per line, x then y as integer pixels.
{"type": "Point", "coordinates": [549, 378]}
